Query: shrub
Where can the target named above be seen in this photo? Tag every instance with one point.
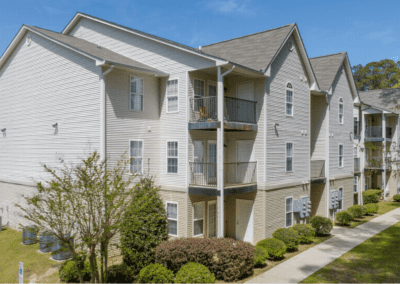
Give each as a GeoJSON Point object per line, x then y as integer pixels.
{"type": "Point", "coordinates": [396, 197]}
{"type": "Point", "coordinates": [119, 273]}
{"type": "Point", "coordinates": [260, 256]}
{"type": "Point", "coordinates": [371, 196]}
{"type": "Point", "coordinates": [344, 217]}
{"type": "Point", "coordinates": [289, 236]}
{"type": "Point", "coordinates": [357, 210]}
{"type": "Point", "coordinates": [155, 273]}
{"type": "Point", "coordinates": [372, 208]}
{"type": "Point", "coordinates": [321, 225]}
{"type": "Point", "coordinates": [194, 273]}
{"type": "Point", "coordinates": [306, 233]}
{"type": "Point", "coordinates": [144, 226]}
{"type": "Point", "coordinates": [69, 274]}
{"type": "Point", "coordinates": [276, 248]}
{"type": "Point", "coordinates": [227, 258]}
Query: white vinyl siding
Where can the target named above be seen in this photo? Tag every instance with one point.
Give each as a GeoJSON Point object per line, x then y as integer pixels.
{"type": "Point", "coordinates": [172, 96]}
{"type": "Point", "coordinates": [340, 155]}
{"type": "Point", "coordinates": [341, 112]}
{"type": "Point", "coordinates": [198, 218]}
{"type": "Point", "coordinates": [289, 212]}
{"type": "Point", "coordinates": [289, 99]}
{"type": "Point", "coordinates": [289, 157]}
{"type": "Point", "coordinates": [172, 215]}
{"type": "Point", "coordinates": [137, 93]}
{"type": "Point", "coordinates": [172, 157]}
{"type": "Point", "coordinates": [136, 155]}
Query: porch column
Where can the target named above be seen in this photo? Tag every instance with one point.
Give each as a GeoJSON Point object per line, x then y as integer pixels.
{"type": "Point", "coordinates": [327, 154]}
{"type": "Point", "coordinates": [384, 153]}
{"type": "Point", "coordinates": [362, 158]}
{"type": "Point", "coordinates": [220, 154]}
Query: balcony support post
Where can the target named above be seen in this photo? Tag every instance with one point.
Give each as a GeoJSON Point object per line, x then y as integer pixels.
{"type": "Point", "coordinates": [384, 152]}
{"type": "Point", "coordinates": [362, 159]}
{"type": "Point", "coordinates": [220, 154]}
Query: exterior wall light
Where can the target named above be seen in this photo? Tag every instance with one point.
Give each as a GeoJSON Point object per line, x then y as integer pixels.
{"type": "Point", "coordinates": [3, 130]}
{"type": "Point", "coordinates": [55, 125]}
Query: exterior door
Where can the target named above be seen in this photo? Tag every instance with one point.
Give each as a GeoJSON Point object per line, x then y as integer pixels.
{"type": "Point", "coordinates": [244, 155]}
{"type": "Point", "coordinates": [367, 183]}
{"type": "Point", "coordinates": [212, 162]}
{"type": "Point", "coordinates": [212, 219]}
{"type": "Point", "coordinates": [245, 110]}
{"type": "Point", "coordinates": [244, 220]}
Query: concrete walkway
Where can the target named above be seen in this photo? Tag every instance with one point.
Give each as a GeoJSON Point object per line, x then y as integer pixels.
{"type": "Point", "coordinates": [306, 263]}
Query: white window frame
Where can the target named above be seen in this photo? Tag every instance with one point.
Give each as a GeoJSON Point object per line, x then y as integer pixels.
{"type": "Point", "coordinates": [341, 104]}
{"type": "Point", "coordinates": [204, 155]}
{"type": "Point", "coordinates": [177, 157]}
{"type": "Point", "coordinates": [289, 197]}
{"type": "Point", "coordinates": [130, 93]}
{"type": "Point", "coordinates": [194, 89]}
{"type": "Point", "coordinates": [341, 166]}
{"type": "Point", "coordinates": [172, 96]}
{"type": "Point", "coordinates": [341, 201]}
{"type": "Point", "coordinates": [355, 183]}
{"type": "Point", "coordinates": [286, 102]}
{"type": "Point", "coordinates": [136, 140]}
{"type": "Point", "coordinates": [286, 156]}
{"type": "Point", "coordinates": [208, 216]}
{"type": "Point", "coordinates": [204, 217]}
{"type": "Point", "coordinates": [177, 217]}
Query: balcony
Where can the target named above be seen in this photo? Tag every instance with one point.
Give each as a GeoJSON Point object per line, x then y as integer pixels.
{"type": "Point", "coordinates": [317, 172]}
{"type": "Point", "coordinates": [203, 177]}
{"type": "Point", "coordinates": [374, 133]}
{"type": "Point", "coordinates": [376, 162]}
{"type": "Point", "coordinates": [239, 114]}
{"type": "Point", "coordinates": [357, 165]}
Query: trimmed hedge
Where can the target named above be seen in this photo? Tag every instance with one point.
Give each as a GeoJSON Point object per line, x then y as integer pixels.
{"type": "Point", "coordinates": [119, 273]}
{"type": "Point", "coordinates": [371, 196]}
{"type": "Point", "coordinates": [396, 197]}
{"type": "Point", "coordinates": [155, 273]}
{"type": "Point", "coordinates": [69, 274]}
{"type": "Point", "coordinates": [260, 256]}
{"type": "Point", "coordinates": [227, 258]}
{"type": "Point", "coordinates": [194, 273]}
{"type": "Point", "coordinates": [289, 236]}
{"type": "Point", "coordinates": [276, 248]}
{"type": "Point", "coordinates": [357, 211]}
{"type": "Point", "coordinates": [306, 233]}
{"type": "Point", "coordinates": [321, 225]}
{"type": "Point", "coordinates": [344, 217]}
{"type": "Point", "coordinates": [372, 208]}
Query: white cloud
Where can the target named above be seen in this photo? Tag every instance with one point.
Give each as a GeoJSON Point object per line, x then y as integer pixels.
{"type": "Point", "coordinates": [231, 7]}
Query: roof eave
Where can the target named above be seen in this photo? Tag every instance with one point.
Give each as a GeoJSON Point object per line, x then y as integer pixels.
{"type": "Point", "coordinates": [135, 68]}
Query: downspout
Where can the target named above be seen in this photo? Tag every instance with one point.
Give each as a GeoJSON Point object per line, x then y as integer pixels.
{"type": "Point", "coordinates": [103, 112]}
{"type": "Point", "coordinates": [220, 149]}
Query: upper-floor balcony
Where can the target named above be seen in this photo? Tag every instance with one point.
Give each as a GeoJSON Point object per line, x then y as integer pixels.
{"type": "Point", "coordinates": [317, 171]}
{"type": "Point", "coordinates": [239, 114]}
{"type": "Point", "coordinates": [374, 133]}
{"type": "Point", "coordinates": [378, 163]}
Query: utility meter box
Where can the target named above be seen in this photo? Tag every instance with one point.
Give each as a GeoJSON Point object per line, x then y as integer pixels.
{"type": "Point", "coordinates": [302, 207]}
{"type": "Point", "coordinates": [334, 197]}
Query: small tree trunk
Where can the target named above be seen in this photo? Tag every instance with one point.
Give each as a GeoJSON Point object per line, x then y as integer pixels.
{"type": "Point", "coordinates": [75, 255]}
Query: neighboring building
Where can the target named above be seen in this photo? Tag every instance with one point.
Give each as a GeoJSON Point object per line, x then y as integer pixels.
{"type": "Point", "coordinates": [244, 123]}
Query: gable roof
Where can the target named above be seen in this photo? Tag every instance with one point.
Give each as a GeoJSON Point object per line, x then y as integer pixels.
{"type": "Point", "coordinates": [386, 99]}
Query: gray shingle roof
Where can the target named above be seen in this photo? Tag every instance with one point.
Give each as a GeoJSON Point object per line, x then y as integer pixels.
{"type": "Point", "coordinates": [326, 68]}
{"type": "Point", "coordinates": [254, 51]}
{"type": "Point", "coordinates": [386, 99]}
{"type": "Point", "coordinates": [98, 52]}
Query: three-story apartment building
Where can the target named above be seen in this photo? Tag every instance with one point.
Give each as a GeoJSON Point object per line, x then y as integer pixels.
{"type": "Point", "coordinates": [244, 136]}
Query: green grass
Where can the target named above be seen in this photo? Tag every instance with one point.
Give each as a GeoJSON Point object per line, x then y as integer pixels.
{"type": "Point", "coordinates": [374, 261]}
{"type": "Point", "coordinates": [36, 265]}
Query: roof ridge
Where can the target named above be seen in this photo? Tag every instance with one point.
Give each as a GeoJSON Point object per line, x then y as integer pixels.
{"type": "Point", "coordinates": [342, 52]}
{"type": "Point", "coordinates": [249, 35]}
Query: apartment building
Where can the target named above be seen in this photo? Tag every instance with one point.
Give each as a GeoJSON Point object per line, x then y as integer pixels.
{"type": "Point", "coordinates": [244, 136]}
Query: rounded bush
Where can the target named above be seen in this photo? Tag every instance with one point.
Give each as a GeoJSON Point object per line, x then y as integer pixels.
{"type": "Point", "coordinates": [371, 196]}
{"type": "Point", "coordinates": [275, 248]}
{"type": "Point", "coordinates": [194, 273]}
{"type": "Point", "coordinates": [260, 256]}
{"type": "Point", "coordinates": [155, 273]}
{"type": "Point", "coordinates": [306, 233]}
{"type": "Point", "coordinates": [372, 208]}
{"type": "Point", "coordinates": [119, 273]}
{"type": "Point", "coordinates": [289, 236]}
{"type": "Point", "coordinates": [344, 217]}
{"type": "Point", "coordinates": [69, 274]}
{"type": "Point", "coordinates": [396, 197]}
{"type": "Point", "coordinates": [321, 225]}
{"type": "Point", "coordinates": [357, 210]}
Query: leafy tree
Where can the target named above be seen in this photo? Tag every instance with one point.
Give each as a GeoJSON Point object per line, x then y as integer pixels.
{"type": "Point", "coordinates": [377, 75]}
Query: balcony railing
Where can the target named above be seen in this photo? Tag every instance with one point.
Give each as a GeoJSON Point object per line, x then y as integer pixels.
{"type": "Point", "coordinates": [356, 165]}
{"type": "Point", "coordinates": [377, 162]}
{"type": "Point", "coordinates": [236, 110]}
{"type": "Point", "coordinates": [317, 169]}
{"type": "Point", "coordinates": [205, 174]}
{"type": "Point", "coordinates": [376, 132]}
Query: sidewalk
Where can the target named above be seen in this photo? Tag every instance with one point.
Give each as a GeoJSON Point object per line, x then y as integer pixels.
{"type": "Point", "coordinates": [306, 263]}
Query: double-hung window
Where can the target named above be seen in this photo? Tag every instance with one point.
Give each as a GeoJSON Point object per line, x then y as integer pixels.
{"type": "Point", "coordinates": [341, 198]}
{"type": "Point", "coordinates": [198, 219]}
{"type": "Point", "coordinates": [355, 184]}
{"type": "Point", "coordinates": [136, 151]}
{"type": "Point", "coordinates": [289, 157]}
{"type": "Point", "coordinates": [289, 212]}
{"type": "Point", "coordinates": [198, 88]}
{"type": "Point", "coordinates": [341, 111]}
{"type": "Point", "coordinates": [136, 93]}
{"type": "Point", "coordinates": [172, 157]}
{"type": "Point", "coordinates": [340, 155]}
{"type": "Point", "coordinates": [172, 95]}
{"type": "Point", "coordinates": [172, 214]}
{"type": "Point", "coordinates": [289, 99]}
{"type": "Point", "coordinates": [198, 157]}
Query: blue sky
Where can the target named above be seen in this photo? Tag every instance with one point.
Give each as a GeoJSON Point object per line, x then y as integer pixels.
{"type": "Point", "coordinates": [367, 30]}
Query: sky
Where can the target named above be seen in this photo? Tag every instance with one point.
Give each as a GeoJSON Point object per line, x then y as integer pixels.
{"type": "Point", "coordinates": [368, 30]}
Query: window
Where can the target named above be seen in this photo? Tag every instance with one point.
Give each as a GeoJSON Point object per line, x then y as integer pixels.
{"type": "Point", "coordinates": [356, 125]}
{"type": "Point", "coordinates": [289, 99]}
{"type": "Point", "coordinates": [136, 156]}
{"type": "Point", "coordinates": [198, 219]}
{"type": "Point", "coordinates": [172, 213]}
{"type": "Point", "coordinates": [198, 94]}
{"type": "Point", "coordinates": [172, 156]}
{"type": "Point", "coordinates": [136, 93]}
{"type": "Point", "coordinates": [198, 156]}
{"type": "Point", "coordinates": [289, 212]}
{"type": "Point", "coordinates": [289, 157]}
{"type": "Point", "coordinates": [341, 198]}
{"type": "Point", "coordinates": [341, 111]}
{"type": "Point", "coordinates": [355, 184]}
{"type": "Point", "coordinates": [340, 155]}
{"type": "Point", "coordinates": [172, 95]}
{"type": "Point", "coordinates": [355, 151]}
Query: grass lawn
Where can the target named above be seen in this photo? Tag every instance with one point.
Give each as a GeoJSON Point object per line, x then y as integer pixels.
{"type": "Point", "coordinates": [374, 261]}
{"type": "Point", "coordinates": [272, 263]}
{"type": "Point", "coordinates": [37, 266]}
